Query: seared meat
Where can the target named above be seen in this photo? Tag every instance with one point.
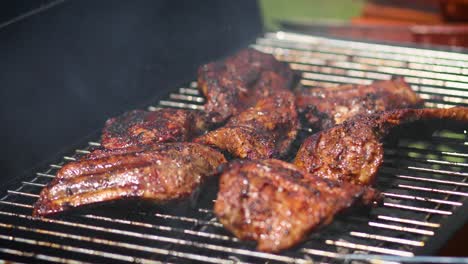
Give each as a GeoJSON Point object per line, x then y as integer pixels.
{"type": "Point", "coordinates": [353, 151]}
{"type": "Point", "coordinates": [161, 172]}
{"type": "Point", "coordinates": [102, 160]}
{"type": "Point", "coordinates": [236, 83]}
{"type": "Point", "coordinates": [277, 204]}
{"type": "Point", "coordinates": [262, 131]}
{"type": "Point", "coordinates": [141, 127]}
{"type": "Point", "coordinates": [323, 108]}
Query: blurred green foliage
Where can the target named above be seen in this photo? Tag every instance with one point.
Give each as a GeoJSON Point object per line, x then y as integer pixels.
{"type": "Point", "coordinates": [307, 10]}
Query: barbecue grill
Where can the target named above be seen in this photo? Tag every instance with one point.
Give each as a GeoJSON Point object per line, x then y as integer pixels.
{"type": "Point", "coordinates": [423, 179]}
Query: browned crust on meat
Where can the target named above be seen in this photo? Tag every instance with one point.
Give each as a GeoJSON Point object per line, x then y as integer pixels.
{"type": "Point", "coordinates": [262, 131]}
{"type": "Point", "coordinates": [234, 84]}
{"type": "Point", "coordinates": [323, 108]}
{"type": "Point", "coordinates": [277, 204]}
{"type": "Point", "coordinates": [138, 127]}
{"type": "Point", "coordinates": [353, 151]}
{"type": "Point", "coordinates": [162, 173]}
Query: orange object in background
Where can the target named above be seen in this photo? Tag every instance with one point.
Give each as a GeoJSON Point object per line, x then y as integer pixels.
{"type": "Point", "coordinates": [417, 11]}
{"type": "Point", "coordinates": [398, 11]}
{"type": "Point", "coordinates": [433, 22]}
{"type": "Point", "coordinates": [439, 22]}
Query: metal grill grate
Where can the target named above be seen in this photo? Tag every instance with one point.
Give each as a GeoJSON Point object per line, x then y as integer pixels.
{"type": "Point", "coordinates": [424, 180]}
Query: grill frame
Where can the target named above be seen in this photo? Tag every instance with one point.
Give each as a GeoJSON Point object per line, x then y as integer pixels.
{"type": "Point", "coordinates": [448, 224]}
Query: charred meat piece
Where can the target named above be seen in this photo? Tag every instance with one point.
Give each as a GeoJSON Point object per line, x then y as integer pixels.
{"type": "Point", "coordinates": [262, 131]}
{"type": "Point", "coordinates": [140, 127]}
{"type": "Point", "coordinates": [277, 204]}
{"type": "Point", "coordinates": [101, 160]}
{"type": "Point", "coordinates": [234, 84]}
{"type": "Point", "coordinates": [160, 173]}
{"type": "Point", "coordinates": [353, 151]}
{"type": "Point", "coordinates": [322, 108]}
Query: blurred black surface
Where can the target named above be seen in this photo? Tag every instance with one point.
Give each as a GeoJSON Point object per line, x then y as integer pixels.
{"type": "Point", "coordinates": [65, 70]}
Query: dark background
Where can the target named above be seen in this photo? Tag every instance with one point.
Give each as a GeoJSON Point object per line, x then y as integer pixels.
{"type": "Point", "coordinates": [69, 67]}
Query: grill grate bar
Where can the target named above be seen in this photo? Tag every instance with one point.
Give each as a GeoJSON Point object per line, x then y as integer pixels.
{"type": "Point", "coordinates": [134, 223]}
{"type": "Point", "coordinates": [441, 91]}
{"type": "Point", "coordinates": [165, 228]}
{"type": "Point", "coordinates": [23, 194]}
{"type": "Point", "coordinates": [55, 166]}
{"type": "Point", "coordinates": [386, 51]}
{"type": "Point", "coordinates": [418, 209]}
{"type": "Point", "coordinates": [402, 228]}
{"type": "Point", "coordinates": [444, 162]}
{"type": "Point", "coordinates": [388, 239]}
{"type": "Point", "coordinates": [16, 204]}
{"type": "Point", "coordinates": [455, 154]}
{"type": "Point", "coordinates": [44, 257]}
{"type": "Point", "coordinates": [369, 248]}
{"type": "Point", "coordinates": [176, 241]}
{"type": "Point", "coordinates": [118, 244]}
{"type": "Point", "coordinates": [407, 221]}
{"type": "Point", "coordinates": [193, 84]}
{"type": "Point", "coordinates": [69, 248]}
{"type": "Point", "coordinates": [94, 144]}
{"type": "Point", "coordinates": [189, 98]}
{"type": "Point", "coordinates": [345, 63]}
{"type": "Point", "coordinates": [188, 219]}
{"type": "Point", "coordinates": [386, 74]}
{"type": "Point", "coordinates": [47, 175]}
{"type": "Point", "coordinates": [334, 71]}
{"type": "Point", "coordinates": [419, 198]}
{"type": "Point", "coordinates": [153, 108]}
{"type": "Point", "coordinates": [347, 50]}
{"type": "Point", "coordinates": [432, 180]}
{"type": "Point", "coordinates": [33, 184]}
{"type": "Point", "coordinates": [334, 78]}
{"type": "Point", "coordinates": [427, 161]}
{"type": "Point", "coordinates": [400, 220]}
{"type": "Point", "coordinates": [164, 216]}
{"type": "Point", "coordinates": [431, 161]}
{"type": "Point", "coordinates": [82, 151]}
{"type": "Point", "coordinates": [321, 253]}
{"type": "Point", "coordinates": [407, 150]}
{"type": "Point", "coordinates": [68, 158]}
{"type": "Point", "coordinates": [180, 105]}
{"type": "Point", "coordinates": [446, 172]}
{"type": "Point", "coordinates": [418, 188]}
{"type": "Point", "coordinates": [189, 91]}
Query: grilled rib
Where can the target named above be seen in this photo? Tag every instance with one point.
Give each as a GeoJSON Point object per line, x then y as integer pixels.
{"type": "Point", "coordinates": [322, 108]}
{"type": "Point", "coordinates": [277, 204]}
{"type": "Point", "coordinates": [234, 84]}
{"type": "Point", "coordinates": [160, 173]}
{"type": "Point", "coordinates": [139, 127]}
{"type": "Point", "coordinates": [262, 131]}
{"type": "Point", "coordinates": [353, 151]}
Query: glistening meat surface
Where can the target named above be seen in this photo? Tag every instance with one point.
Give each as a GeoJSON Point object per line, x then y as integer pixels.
{"type": "Point", "coordinates": [353, 151]}
{"type": "Point", "coordinates": [160, 173]}
{"type": "Point", "coordinates": [322, 108]}
{"type": "Point", "coordinates": [138, 127]}
{"type": "Point", "coordinates": [264, 130]}
{"type": "Point", "coordinates": [237, 82]}
{"type": "Point", "coordinates": [277, 204]}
